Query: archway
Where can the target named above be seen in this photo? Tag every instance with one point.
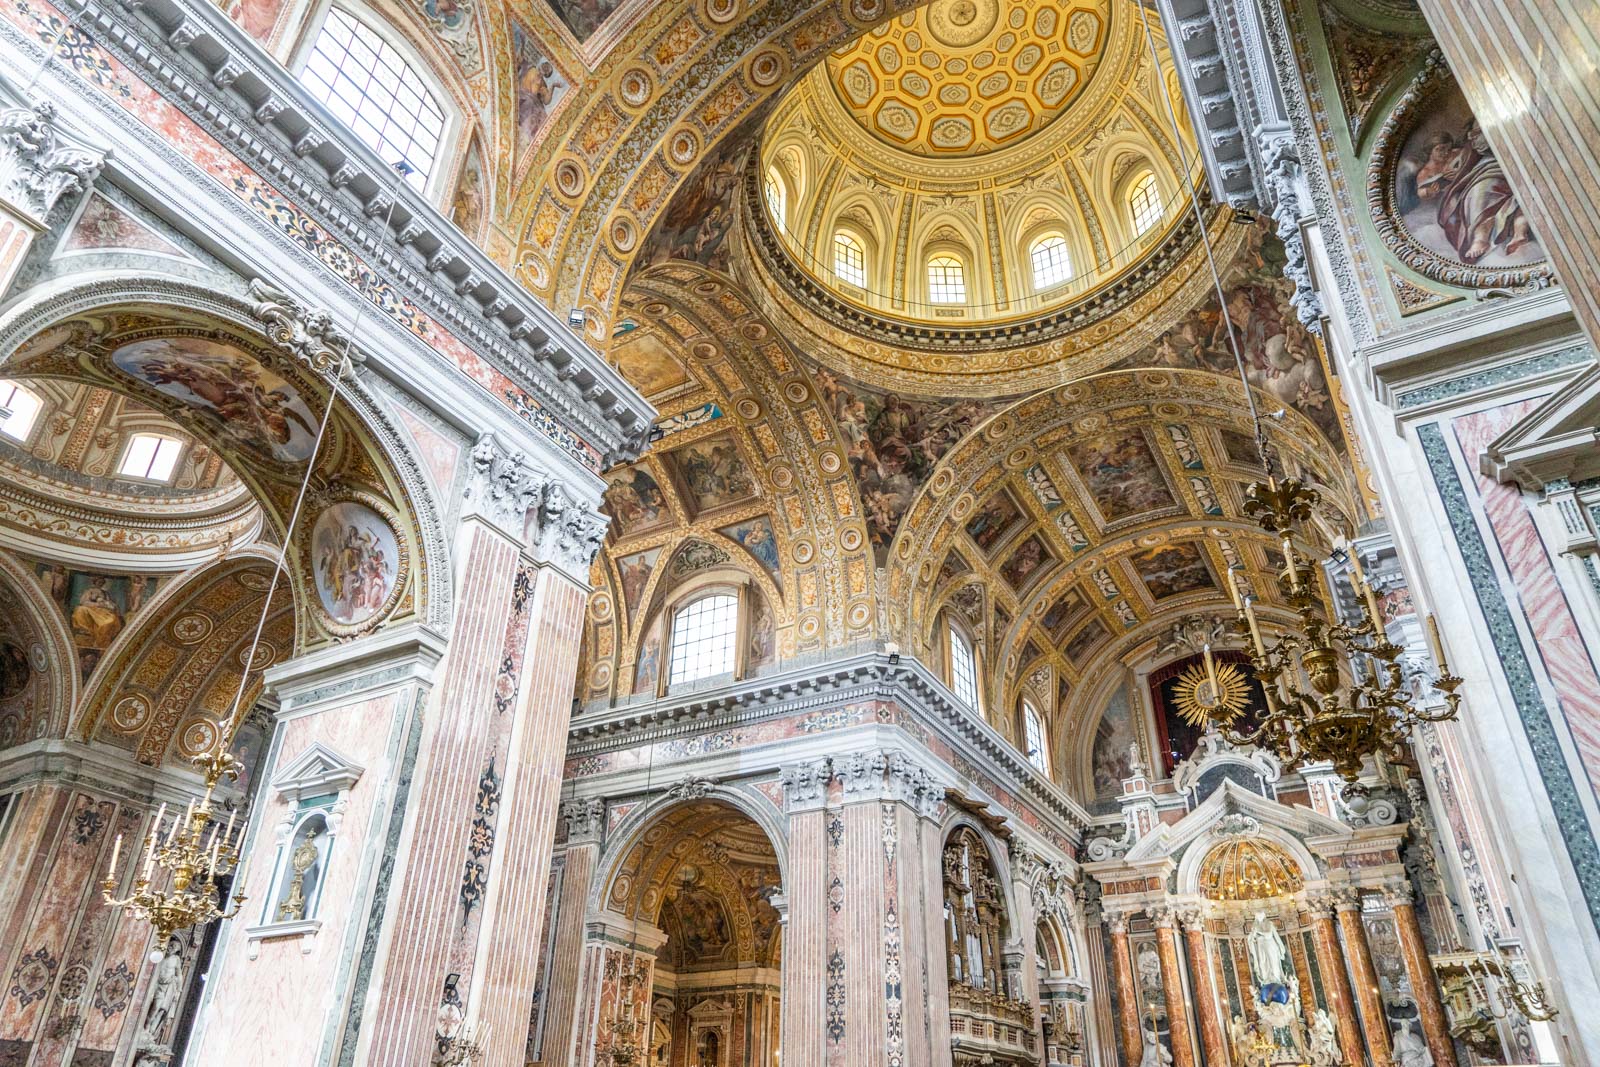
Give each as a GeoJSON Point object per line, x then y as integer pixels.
{"type": "Point", "coordinates": [693, 942]}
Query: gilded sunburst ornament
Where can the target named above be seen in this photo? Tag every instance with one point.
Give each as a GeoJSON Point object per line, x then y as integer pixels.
{"type": "Point", "coordinates": [1217, 697]}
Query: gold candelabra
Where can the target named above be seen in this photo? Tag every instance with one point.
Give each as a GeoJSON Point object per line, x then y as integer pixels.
{"type": "Point", "coordinates": [1335, 692]}
{"type": "Point", "coordinates": [192, 860]}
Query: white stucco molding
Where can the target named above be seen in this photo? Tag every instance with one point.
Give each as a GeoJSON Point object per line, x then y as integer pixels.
{"type": "Point", "coordinates": [1557, 441]}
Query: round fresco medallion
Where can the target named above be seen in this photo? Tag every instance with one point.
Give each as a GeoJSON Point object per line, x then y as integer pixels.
{"type": "Point", "coordinates": [748, 408]}
{"type": "Point", "coordinates": [600, 677]}
{"type": "Point", "coordinates": [942, 481]}
{"type": "Point", "coordinates": [802, 552]}
{"type": "Point", "coordinates": [255, 581]}
{"type": "Point", "coordinates": [197, 737]}
{"type": "Point", "coordinates": [634, 86]}
{"type": "Point", "coordinates": [130, 713]}
{"type": "Point", "coordinates": [850, 539]}
{"type": "Point", "coordinates": [1170, 411]}
{"type": "Point", "coordinates": [753, 331]}
{"type": "Point", "coordinates": [260, 659]}
{"type": "Point", "coordinates": [569, 177]}
{"type": "Point", "coordinates": [708, 288]}
{"type": "Point", "coordinates": [242, 402]}
{"type": "Point", "coordinates": [810, 626]}
{"type": "Point", "coordinates": [39, 657]}
{"type": "Point", "coordinates": [683, 147]}
{"type": "Point", "coordinates": [796, 392]}
{"type": "Point", "coordinates": [720, 11]}
{"type": "Point", "coordinates": [600, 607]}
{"type": "Point", "coordinates": [1439, 197]}
{"type": "Point", "coordinates": [624, 234]}
{"type": "Point", "coordinates": [999, 430]}
{"type": "Point", "coordinates": [829, 461]}
{"type": "Point", "coordinates": [766, 67]}
{"type": "Point", "coordinates": [1018, 457]}
{"type": "Point", "coordinates": [355, 557]}
{"type": "Point", "coordinates": [655, 309]}
{"type": "Point", "coordinates": [963, 506]}
{"type": "Point", "coordinates": [782, 476]}
{"type": "Point", "coordinates": [859, 614]}
{"type": "Point", "coordinates": [191, 628]}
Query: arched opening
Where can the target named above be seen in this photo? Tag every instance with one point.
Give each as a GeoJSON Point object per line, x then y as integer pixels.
{"type": "Point", "coordinates": [693, 943]}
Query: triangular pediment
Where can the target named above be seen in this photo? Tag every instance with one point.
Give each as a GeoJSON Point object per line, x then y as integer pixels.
{"type": "Point", "coordinates": [1231, 799]}
{"type": "Point", "coordinates": [319, 769]}
{"type": "Point", "coordinates": [1560, 438]}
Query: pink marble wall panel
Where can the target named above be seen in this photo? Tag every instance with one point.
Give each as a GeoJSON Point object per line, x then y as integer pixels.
{"type": "Point", "coordinates": [1538, 590]}
{"type": "Point", "coordinates": [282, 1025]}
{"type": "Point", "coordinates": [439, 453]}
{"type": "Point", "coordinates": [402, 1023]}
{"type": "Point", "coordinates": [533, 792]}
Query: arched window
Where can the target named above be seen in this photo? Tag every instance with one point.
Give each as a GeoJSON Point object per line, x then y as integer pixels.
{"type": "Point", "coordinates": [849, 259]}
{"type": "Point", "coordinates": [774, 190]}
{"type": "Point", "coordinates": [963, 669]}
{"type": "Point", "coordinates": [703, 638]}
{"type": "Point", "coordinates": [150, 457]}
{"type": "Point", "coordinates": [1033, 737]}
{"type": "Point", "coordinates": [1052, 264]}
{"type": "Point", "coordinates": [369, 86]}
{"type": "Point", "coordinates": [947, 283]}
{"type": "Point", "coordinates": [19, 410]}
{"type": "Point", "coordinates": [1144, 203]}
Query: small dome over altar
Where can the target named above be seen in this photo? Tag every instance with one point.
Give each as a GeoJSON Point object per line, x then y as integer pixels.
{"type": "Point", "coordinates": [1248, 868]}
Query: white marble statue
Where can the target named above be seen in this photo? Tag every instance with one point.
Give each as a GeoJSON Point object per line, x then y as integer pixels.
{"type": "Point", "coordinates": [1155, 1053]}
{"type": "Point", "coordinates": [165, 989]}
{"type": "Point", "coordinates": [1409, 1049]}
{"type": "Point", "coordinates": [1324, 1051]}
{"type": "Point", "coordinates": [1269, 955]}
{"type": "Point", "coordinates": [1136, 765]}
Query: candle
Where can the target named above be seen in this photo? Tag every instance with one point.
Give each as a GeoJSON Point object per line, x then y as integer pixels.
{"type": "Point", "coordinates": [1255, 630]}
{"type": "Point", "coordinates": [1211, 676]}
{"type": "Point", "coordinates": [116, 850]}
{"type": "Point", "coordinates": [1434, 644]}
{"type": "Point", "coordinates": [1233, 587]}
{"type": "Point", "coordinates": [228, 833]}
{"type": "Point", "coordinates": [215, 846]}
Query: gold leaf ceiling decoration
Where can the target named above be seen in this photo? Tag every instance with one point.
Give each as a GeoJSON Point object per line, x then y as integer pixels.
{"type": "Point", "coordinates": [963, 77]}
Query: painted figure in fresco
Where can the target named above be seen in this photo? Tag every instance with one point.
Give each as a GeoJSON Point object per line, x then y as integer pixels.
{"type": "Point", "coordinates": [761, 636]}
{"type": "Point", "coordinates": [1477, 210]}
{"type": "Point", "coordinates": [15, 670]}
{"type": "Point", "coordinates": [634, 572]}
{"type": "Point", "coordinates": [716, 475]}
{"type": "Point", "coordinates": [635, 498]}
{"type": "Point", "coordinates": [357, 574]}
{"type": "Point", "coordinates": [96, 618]}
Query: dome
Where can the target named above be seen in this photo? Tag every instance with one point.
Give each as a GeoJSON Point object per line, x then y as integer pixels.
{"type": "Point", "coordinates": [963, 77]}
{"type": "Point", "coordinates": [979, 162]}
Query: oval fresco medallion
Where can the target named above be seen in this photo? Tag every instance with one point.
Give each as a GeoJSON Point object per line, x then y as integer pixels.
{"type": "Point", "coordinates": [355, 557]}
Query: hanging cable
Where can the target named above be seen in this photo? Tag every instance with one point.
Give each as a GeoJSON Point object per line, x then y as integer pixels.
{"type": "Point", "coordinates": [1211, 260]}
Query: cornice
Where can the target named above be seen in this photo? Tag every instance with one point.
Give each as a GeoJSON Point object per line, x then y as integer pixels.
{"type": "Point", "coordinates": [846, 679]}
{"type": "Point", "coordinates": [208, 67]}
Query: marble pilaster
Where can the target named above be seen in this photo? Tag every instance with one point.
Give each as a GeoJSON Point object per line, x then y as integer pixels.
{"type": "Point", "coordinates": [804, 1011]}
{"type": "Point", "coordinates": [1335, 979]}
{"type": "Point", "coordinates": [585, 820]}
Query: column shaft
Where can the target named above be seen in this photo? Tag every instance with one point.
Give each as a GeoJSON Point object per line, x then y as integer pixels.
{"type": "Point", "coordinates": [1435, 1027]}
{"type": "Point", "coordinates": [1368, 1002]}
{"type": "Point", "coordinates": [566, 959]}
{"type": "Point", "coordinates": [1205, 995]}
{"type": "Point", "coordinates": [805, 943]}
{"type": "Point", "coordinates": [1127, 998]}
{"type": "Point", "coordinates": [1172, 991]}
{"type": "Point", "coordinates": [1341, 1001]}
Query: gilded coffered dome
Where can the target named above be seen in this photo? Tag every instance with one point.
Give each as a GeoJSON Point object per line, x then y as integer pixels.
{"type": "Point", "coordinates": [961, 77]}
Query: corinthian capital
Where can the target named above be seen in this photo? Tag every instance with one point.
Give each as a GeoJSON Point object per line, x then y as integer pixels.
{"type": "Point", "coordinates": [569, 533]}
{"type": "Point", "coordinates": [585, 819]}
{"type": "Point", "coordinates": [503, 487]}
{"type": "Point", "coordinates": [40, 163]}
{"type": "Point", "coordinates": [805, 785]}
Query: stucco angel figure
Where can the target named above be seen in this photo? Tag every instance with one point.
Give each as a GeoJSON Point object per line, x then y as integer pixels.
{"type": "Point", "coordinates": [1269, 955]}
{"type": "Point", "coordinates": [1324, 1050]}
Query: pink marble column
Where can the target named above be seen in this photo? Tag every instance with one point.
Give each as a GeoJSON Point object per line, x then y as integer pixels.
{"type": "Point", "coordinates": [1172, 988]}
{"type": "Point", "coordinates": [1419, 968]}
{"type": "Point", "coordinates": [1207, 1011]}
{"type": "Point", "coordinates": [1368, 1001]}
{"type": "Point", "coordinates": [1330, 962]}
{"type": "Point", "coordinates": [1127, 996]}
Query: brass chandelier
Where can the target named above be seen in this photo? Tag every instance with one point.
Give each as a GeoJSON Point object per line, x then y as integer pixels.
{"type": "Point", "coordinates": [192, 858]}
{"type": "Point", "coordinates": [1335, 692]}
